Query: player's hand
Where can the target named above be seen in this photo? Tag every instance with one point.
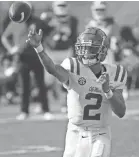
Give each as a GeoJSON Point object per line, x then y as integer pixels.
{"type": "Point", "coordinates": [34, 38]}
{"type": "Point", "coordinates": [104, 80]}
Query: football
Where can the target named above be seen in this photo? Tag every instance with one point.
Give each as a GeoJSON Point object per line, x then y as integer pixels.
{"type": "Point", "coordinates": [20, 11]}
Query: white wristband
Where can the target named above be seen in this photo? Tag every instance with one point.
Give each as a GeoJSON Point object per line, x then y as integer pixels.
{"type": "Point", "coordinates": [39, 48]}
{"type": "Point", "coordinates": [109, 94]}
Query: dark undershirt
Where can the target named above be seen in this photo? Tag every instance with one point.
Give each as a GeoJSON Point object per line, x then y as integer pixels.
{"type": "Point", "coordinates": [103, 70]}
{"type": "Point", "coordinates": [98, 74]}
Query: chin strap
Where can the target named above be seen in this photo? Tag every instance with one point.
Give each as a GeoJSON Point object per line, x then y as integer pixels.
{"type": "Point", "coordinates": [90, 64]}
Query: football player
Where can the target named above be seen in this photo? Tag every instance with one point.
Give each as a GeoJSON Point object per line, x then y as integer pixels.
{"type": "Point", "coordinates": [94, 91]}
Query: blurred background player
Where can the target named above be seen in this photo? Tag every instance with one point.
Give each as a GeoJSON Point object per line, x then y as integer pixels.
{"type": "Point", "coordinates": [59, 43]}
{"type": "Point", "coordinates": [12, 43]}
{"type": "Point", "coordinates": [102, 20]}
{"type": "Point", "coordinates": [28, 62]}
{"type": "Point", "coordinates": [10, 90]}
{"type": "Point", "coordinates": [128, 56]}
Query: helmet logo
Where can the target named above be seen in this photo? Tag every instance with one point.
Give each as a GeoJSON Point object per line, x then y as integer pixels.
{"type": "Point", "coordinates": [86, 43]}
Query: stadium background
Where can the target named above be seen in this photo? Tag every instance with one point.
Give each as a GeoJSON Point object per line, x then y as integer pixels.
{"type": "Point", "coordinates": [38, 138]}
{"type": "Point", "coordinates": [122, 11]}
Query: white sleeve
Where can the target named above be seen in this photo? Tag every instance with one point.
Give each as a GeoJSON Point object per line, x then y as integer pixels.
{"type": "Point", "coordinates": [66, 65]}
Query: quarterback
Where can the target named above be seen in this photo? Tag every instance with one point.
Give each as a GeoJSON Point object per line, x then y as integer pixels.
{"type": "Point", "coordinates": [94, 91]}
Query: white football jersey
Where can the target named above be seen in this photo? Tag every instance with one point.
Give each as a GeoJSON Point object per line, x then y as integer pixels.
{"type": "Point", "coordinates": [87, 104]}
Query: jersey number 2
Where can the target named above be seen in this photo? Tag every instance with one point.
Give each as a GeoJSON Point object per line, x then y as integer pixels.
{"type": "Point", "coordinates": [89, 107]}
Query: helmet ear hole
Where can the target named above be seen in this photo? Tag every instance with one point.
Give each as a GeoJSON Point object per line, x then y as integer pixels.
{"type": "Point", "coordinates": [103, 53]}
{"type": "Point", "coordinates": [104, 50]}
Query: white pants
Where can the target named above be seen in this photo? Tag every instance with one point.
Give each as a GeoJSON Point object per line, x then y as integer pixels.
{"type": "Point", "coordinates": [82, 143]}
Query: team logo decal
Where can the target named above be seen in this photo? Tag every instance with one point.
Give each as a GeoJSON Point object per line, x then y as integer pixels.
{"type": "Point", "coordinates": [82, 81]}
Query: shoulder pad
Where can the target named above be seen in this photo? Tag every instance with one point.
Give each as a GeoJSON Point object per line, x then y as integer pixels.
{"type": "Point", "coordinates": [120, 73]}
{"type": "Point", "coordinates": [118, 76]}
{"type": "Point", "coordinates": [72, 65]}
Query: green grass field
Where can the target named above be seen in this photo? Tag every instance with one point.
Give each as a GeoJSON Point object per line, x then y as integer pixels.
{"type": "Point", "coordinates": [35, 137]}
